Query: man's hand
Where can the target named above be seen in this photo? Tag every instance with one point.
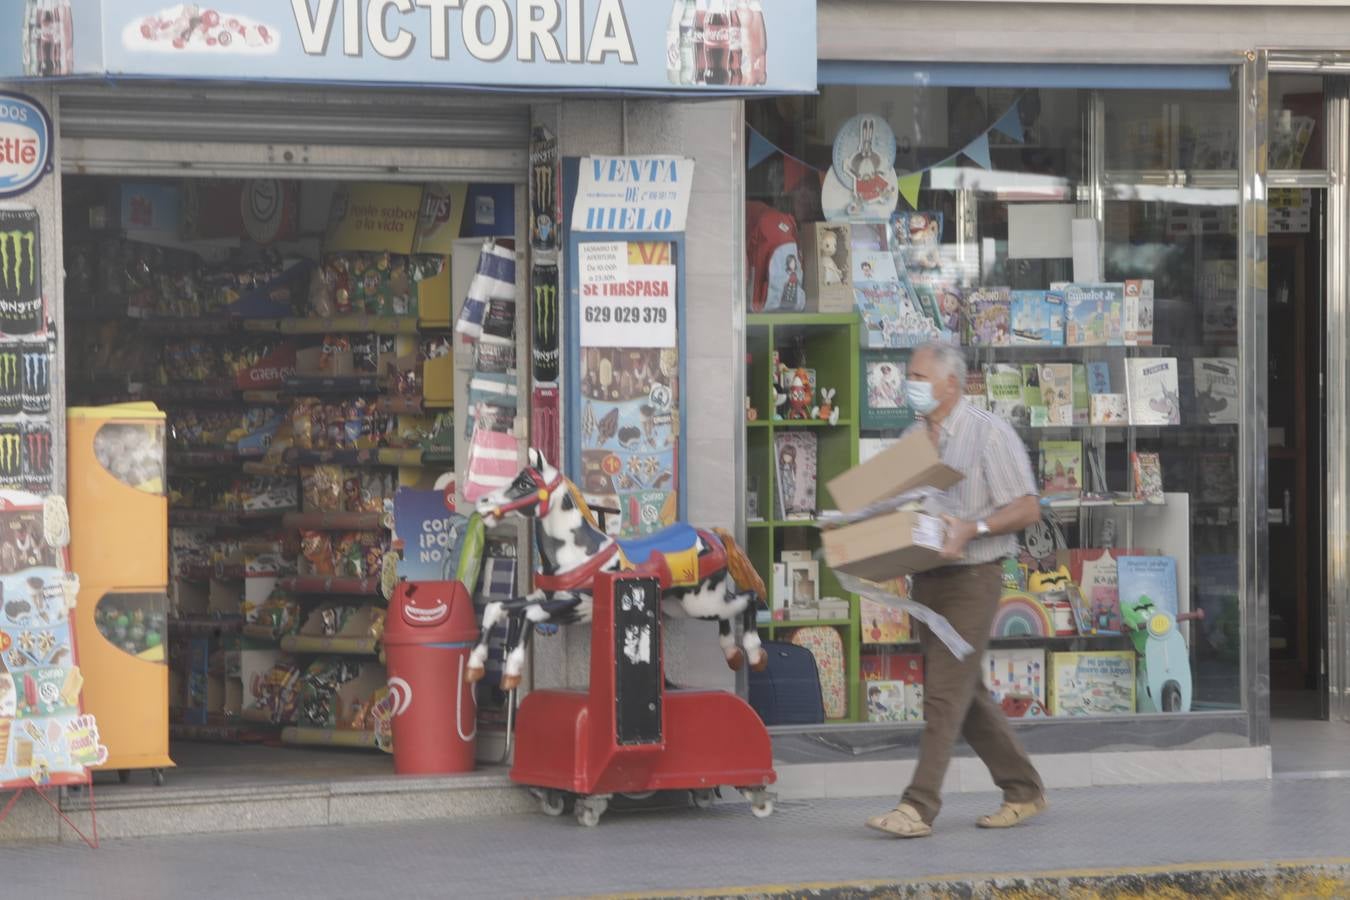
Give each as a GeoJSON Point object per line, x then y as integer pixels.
{"type": "Point", "coordinates": [959, 533]}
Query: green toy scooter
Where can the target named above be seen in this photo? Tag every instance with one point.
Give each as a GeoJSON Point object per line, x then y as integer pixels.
{"type": "Point", "coordinates": [1164, 669]}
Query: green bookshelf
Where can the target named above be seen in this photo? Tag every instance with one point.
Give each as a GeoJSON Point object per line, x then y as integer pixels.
{"type": "Point", "coordinates": [827, 343]}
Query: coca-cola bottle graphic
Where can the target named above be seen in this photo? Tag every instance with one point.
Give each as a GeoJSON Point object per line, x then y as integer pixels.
{"type": "Point", "coordinates": [48, 46]}
{"type": "Point", "coordinates": [756, 44]}
{"type": "Point", "coordinates": [736, 49]}
{"type": "Point", "coordinates": [717, 44]}
{"type": "Point", "coordinates": [673, 42]}
{"type": "Point", "coordinates": [701, 43]}
{"type": "Point", "coordinates": [688, 52]}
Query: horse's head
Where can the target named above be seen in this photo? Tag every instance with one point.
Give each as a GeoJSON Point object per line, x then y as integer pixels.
{"type": "Point", "coordinates": [531, 494]}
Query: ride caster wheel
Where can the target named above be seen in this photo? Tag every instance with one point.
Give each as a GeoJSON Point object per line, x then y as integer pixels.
{"type": "Point", "coordinates": [590, 809]}
{"type": "Point", "coordinates": [157, 776]}
{"type": "Point", "coordinates": [761, 801]}
{"type": "Point", "coordinates": [123, 776]}
{"type": "Point", "coordinates": [551, 802]}
{"type": "Point", "coordinates": [762, 809]}
{"type": "Point", "coordinates": [703, 798]}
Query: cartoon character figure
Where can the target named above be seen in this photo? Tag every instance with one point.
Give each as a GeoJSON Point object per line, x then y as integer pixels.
{"type": "Point", "coordinates": [799, 395]}
{"type": "Point", "coordinates": [789, 297]}
{"type": "Point", "coordinates": [869, 184]}
{"type": "Point", "coordinates": [787, 471]}
{"type": "Point", "coordinates": [830, 272]}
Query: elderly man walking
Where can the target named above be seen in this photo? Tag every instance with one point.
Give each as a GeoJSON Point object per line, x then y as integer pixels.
{"type": "Point", "coordinates": [996, 498]}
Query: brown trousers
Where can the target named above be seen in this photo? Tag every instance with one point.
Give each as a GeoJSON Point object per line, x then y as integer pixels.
{"type": "Point", "coordinates": [954, 697]}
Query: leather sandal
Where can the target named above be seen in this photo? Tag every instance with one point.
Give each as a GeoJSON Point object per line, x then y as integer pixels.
{"type": "Point", "coordinates": [1010, 814]}
{"type": "Point", "coordinates": [904, 822]}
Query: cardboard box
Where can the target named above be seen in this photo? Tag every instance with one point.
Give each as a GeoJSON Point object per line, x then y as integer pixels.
{"type": "Point", "coordinates": [886, 546]}
{"type": "Point", "coordinates": [827, 266]}
{"type": "Point", "coordinates": [909, 463]}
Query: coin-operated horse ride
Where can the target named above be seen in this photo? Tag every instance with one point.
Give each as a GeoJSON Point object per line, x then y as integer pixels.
{"type": "Point", "coordinates": [628, 733]}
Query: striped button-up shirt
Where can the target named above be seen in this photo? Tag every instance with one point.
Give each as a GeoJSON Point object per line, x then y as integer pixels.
{"type": "Point", "coordinates": [988, 453]}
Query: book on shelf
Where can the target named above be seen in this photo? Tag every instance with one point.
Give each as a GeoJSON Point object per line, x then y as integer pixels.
{"type": "Point", "coordinates": [1061, 470]}
{"type": "Point", "coordinates": [1216, 478]}
{"type": "Point", "coordinates": [1057, 392]}
{"type": "Point", "coordinates": [1138, 312]}
{"type": "Point", "coordinates": [1099, 377]}
{"type": "Point", "coordinates": [1081, 394]}
{"type": "Point", "coordinates": [1004, 383]}
{"type": "Point", "coordinates": [883, 624]}
{"type": "Point", "coordinates": [1151, 386]}
{"type": "Point", "coordinates": [1109, 409]}
{"type": "Point", "coordinates": [893, 686]}
{"type": "Point", "coordinates": [1216, 390]}
{"type": "Point", "coordinates": [1036, 414]}
{"type": "Point", "coordinates": [1092, 683]}
{"type": "Point", "coordinates": [795, 459]}
{"type": "Point", "coordinates": [1095, 572]}
{"type": "Point", "coordinates": [1149, 579]}
{"type": "Point", "coordinates": [976, 392]}
{"type": "Point", "coordinates": [1092, 315]}
{"type": "Point", "coordinates": [1218, 300]}
{"type": "Point", "coordinates": [1014, 673]}
{"type": "Point", "coordinates": [884, 405]}
{"type": "Point", "coordinates": [1037, 318]}
{"type": "Point", "coordinates": [988, 317]}
{"type": "Point", "coordinates": [1147, 469]}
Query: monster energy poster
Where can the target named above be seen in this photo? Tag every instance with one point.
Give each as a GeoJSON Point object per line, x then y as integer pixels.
{"type": "Point", "coordinates": [21, 310]}
{"type": "Point", "coordinates": [545, 310]}
{"type": "Point", "coordinates": [630, 389]}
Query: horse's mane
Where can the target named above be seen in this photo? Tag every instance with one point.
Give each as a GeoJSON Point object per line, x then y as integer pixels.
{"type": "Point", "coordinates": [582, 505]}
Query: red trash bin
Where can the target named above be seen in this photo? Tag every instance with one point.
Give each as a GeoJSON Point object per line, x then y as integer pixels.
{"type": "Point", "coordinates": [428, 634]}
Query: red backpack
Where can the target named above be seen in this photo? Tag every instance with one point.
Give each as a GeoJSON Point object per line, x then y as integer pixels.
{"type": "Point", "coordinates": [774, 264]}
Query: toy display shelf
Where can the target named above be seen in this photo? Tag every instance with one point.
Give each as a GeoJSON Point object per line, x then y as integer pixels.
{"type": "Point", "coordinates": [414, 405]}
{"type": "Point", "coordinates": [412, 457]}
{"type": "Point", "coordinates": [208, 457]}
{"type": "Point", "coordinates": [348, 385]}
{"type": "Point", "coordinates": [333, 521]}
{"type": "Point", "coordinates": [323, 584]}
{"type": "Point", "coordinates": [325, 646]}
{"type": "Point", "coordinates": [225, 518]}
{"type": "Point", "coordinates": [829, 344]}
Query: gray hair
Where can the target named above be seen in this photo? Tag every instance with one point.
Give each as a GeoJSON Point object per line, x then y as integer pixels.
{"type": "Point", "coordinates": [948, 357]}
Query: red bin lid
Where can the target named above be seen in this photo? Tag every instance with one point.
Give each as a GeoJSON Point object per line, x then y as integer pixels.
{"type": "Point", "coordinates": [430, 612]}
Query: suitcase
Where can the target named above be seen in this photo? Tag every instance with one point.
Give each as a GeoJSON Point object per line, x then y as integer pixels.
{"type": "Point", "coordinates": [827, 647]}
{"type": "Point", "coordinates": [787, 692]}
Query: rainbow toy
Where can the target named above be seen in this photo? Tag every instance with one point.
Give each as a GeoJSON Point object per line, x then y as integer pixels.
{"type": "Point", "coordinates": [1021, 615]}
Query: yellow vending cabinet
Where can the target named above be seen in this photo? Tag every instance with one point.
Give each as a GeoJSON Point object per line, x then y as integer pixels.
{"type": "Point", "coordinates": [119, 539]}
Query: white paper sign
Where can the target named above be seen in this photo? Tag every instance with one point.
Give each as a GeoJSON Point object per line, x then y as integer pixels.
{"type": "Point", "coordinates": [1087, 251]}
{"type": "Point", "coordinates": [633, 194]}
{"type": "Point", "coordinates": [638, 311]}
{"type": "Point", "coordinates": [603, 263]}
{"type": "Point", "coordinates": [1040, 230]}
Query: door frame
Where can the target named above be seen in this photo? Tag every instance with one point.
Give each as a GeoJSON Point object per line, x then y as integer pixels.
{"type": "Point", "coordinates": [1333, 666]}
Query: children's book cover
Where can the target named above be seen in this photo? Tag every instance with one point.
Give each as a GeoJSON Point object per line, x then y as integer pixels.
{"type": "Point", "coordinates": [1057, 393]}
{"type": "Point", "coordinates": [1148, 485]}
{"type": "Point", "coordinates": [1037, 318]}
{"type": "Point", "coordinates": [1096, 683]}
{"type": "Point", "coordinates": [1138, 312]}
{"type": "Point", "coordinates": [1216, 390]}
{"type": "Point", "coordinates": [893, 683]}
{"type": "Point", "coordinates": [1004, 383]}
{"type": "Point", "coordinates": [883, 624]}
{"type": "Point", "coordinates": [1061, 469]}
{"type": "Point", "coordinates": [1095, 571]}
{"type": "Point", "coordinates": [1109, 409]}
{"type": "Point", "coordinates": [988, 317]}
{"type": "Point", "coordinates": [1149, 579]}
{"type": "Point", "coordinates": [977, 393]}
{"type": "Point", "coordinates": [1019, 672]}
{"type": "Point", "coordinates": [885, 406]}
{"type": "Point", "coordinates": [1092, 314]}
{"type": "Point", "coordinates": [1099, 377]}
{"type": "Point", "coordinates": [917, 237]}
{"type": "Point", "coordinates": [1151, 384]}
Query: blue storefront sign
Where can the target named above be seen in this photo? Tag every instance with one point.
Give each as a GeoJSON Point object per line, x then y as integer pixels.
{"type": "Point", "coordinates": [609, 45]}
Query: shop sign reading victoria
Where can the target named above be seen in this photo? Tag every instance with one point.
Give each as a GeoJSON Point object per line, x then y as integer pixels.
{"type": "Point", "coordinates": [25, 144]}
{"type": "Point", "coordinates": [643, 45]}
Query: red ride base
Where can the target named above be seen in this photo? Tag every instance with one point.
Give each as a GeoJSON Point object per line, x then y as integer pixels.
{"type": "Point", "coordinates": [574, 742]}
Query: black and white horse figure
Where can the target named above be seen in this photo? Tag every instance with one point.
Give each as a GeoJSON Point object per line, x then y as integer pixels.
{"type": "Point", "coordinates": [694, 567]}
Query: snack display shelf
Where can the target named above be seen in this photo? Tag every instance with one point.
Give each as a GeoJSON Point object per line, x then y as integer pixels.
{"type": "Point", "coordinates": [408, 406]}
{"type": "Point", "coordinates": [201, 390]}
{"type": "Point", "coordinates": [385, 456]}
{"type": "Point", "coordinates": [323, 584]}
{"type": "Point", "coordinates": [333, 384]}
{"type": "Point", "coordinates": [267, 468]}
{"type": "Point", "coordinates": [220, 572]}
{"type": "Point", "coordinates": [223, 517]}
{"type": "Point", "coordinates": [262, 397]}
{"type": "Point", "coordinates": [185, 327]}
{"type": "Point", "coordinates": [356, 324]}
{"type": "Point", "coordinates": [346, 646]}
{"type": "Point", "coordinates": [201, 457]}
{"type": "Point", "coordinates": [224, 733]}
{"type": "Point", "coordinates": [444, 457]}
{"type": "Point", "coordinates": [205, 626]}
{"type": "Point", "coordinates": [328, 737]}
{"type": "Point", "coordinates": [259, 633]}
{"type": "Point", "coordinates": [260, 716]}
{"type": "Point", "coordinates": [333, 521]}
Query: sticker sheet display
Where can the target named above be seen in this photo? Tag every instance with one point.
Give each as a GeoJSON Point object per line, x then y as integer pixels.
{"type": "Point", "coordinates": [630, 402]}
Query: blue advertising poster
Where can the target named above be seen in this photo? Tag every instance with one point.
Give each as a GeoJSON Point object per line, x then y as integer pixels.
{"type": "Point", "coordinates": [432, 535]}
{"type": "Point", "coordinates": [638, 45]}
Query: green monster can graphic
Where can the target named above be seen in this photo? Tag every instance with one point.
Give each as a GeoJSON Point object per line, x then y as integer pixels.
{"type": "Point", "coordinates": [20, 272]}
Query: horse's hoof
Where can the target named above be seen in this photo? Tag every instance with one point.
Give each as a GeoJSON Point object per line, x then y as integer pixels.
{"type": "Point", "coordinates": [761, 661]}
{"type": "Point", "coordinates": [473, 674]}
{"type": "Point", "coordinates": [510, 682]}
{"type": "Point", "coordinates": [735, 660]}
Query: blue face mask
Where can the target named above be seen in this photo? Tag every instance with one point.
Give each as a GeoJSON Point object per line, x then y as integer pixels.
{"type": "Point", "coordinates": [920, 397]}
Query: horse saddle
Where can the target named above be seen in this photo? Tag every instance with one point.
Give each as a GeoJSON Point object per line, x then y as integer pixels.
{"type": "Point", "coordinates": [672, 555]}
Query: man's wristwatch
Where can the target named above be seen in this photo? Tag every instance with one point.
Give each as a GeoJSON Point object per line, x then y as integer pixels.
{"type": "Point", "coordinates": [982, 528]}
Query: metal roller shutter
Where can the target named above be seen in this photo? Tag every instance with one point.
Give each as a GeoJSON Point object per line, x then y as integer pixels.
{"type": "Point", "coordinates": [330, 133]}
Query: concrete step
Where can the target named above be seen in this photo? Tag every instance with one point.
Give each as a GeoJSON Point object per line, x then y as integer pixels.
{"type": "Point", "coordinates": [132, 812]}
